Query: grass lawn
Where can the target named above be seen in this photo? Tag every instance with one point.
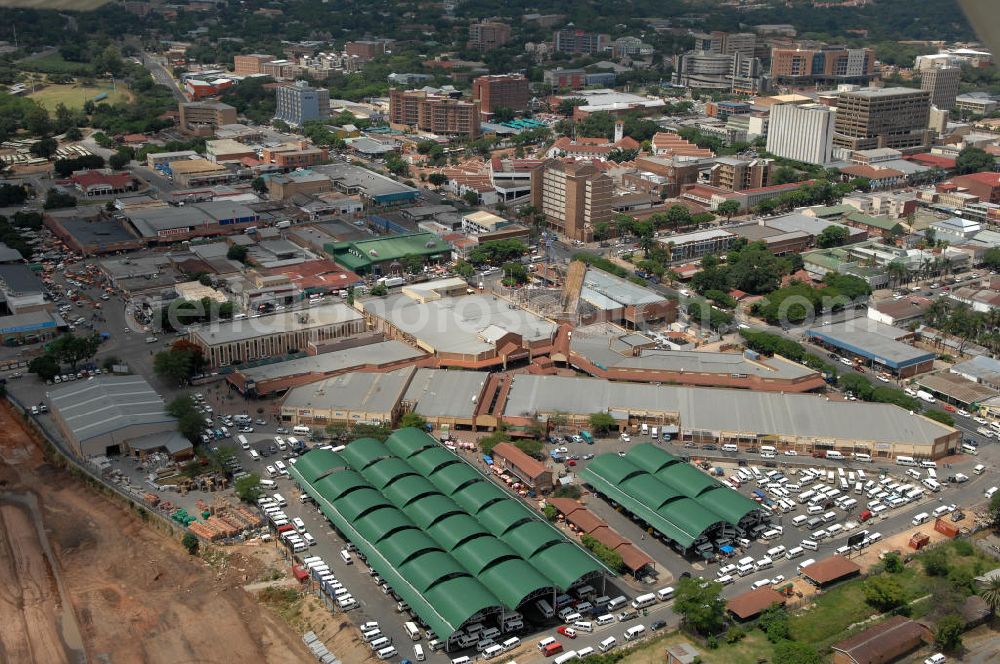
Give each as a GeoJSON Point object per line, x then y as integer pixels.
{"type": "Point", "coordinates": [747, 651]}
{"type": "Point", "coordinates": [74, 95]}
{"type": "Point", "coordinates": [74, 5]}
{"type": "Point", "coordinates": [54, 63]}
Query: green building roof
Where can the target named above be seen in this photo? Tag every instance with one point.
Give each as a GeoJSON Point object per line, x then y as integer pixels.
{"type": "Point", "coordinates": [882, 223]}
{"type": "Point", "coordinates": [449, 541]}
{"type": "Point", "coordinates": [665, 492]}
{"type": "Point", "coordinates": [361, 256]}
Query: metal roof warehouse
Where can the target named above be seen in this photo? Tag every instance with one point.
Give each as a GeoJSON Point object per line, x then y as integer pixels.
{"type": "Point", "coordinates": [451, 543]}
{"type": "Point", "coordinates": [679, 501]}
{"type": "Point", "coordinates": [741, 416]}
{"type": "Point", "coordinates": [876, 342]}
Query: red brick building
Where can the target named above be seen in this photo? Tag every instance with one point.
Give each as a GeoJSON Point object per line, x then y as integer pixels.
{"type": "Point", "coordinates": [501, 91]}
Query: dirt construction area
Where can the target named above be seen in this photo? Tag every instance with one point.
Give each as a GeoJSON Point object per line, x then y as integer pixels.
{"type": "Point", "coordinates": [83, 578]}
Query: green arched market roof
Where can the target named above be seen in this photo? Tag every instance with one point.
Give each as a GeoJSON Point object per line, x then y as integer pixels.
{"type": "Point", "coordinates": [407, 442]}
{"type": "Point", "coordinates": [475, 497]}
{"type": "Point", "coordinates": [363, 452]}
{"type": "Point", "coordinates": [456, 529]}
{"type": "Point", "coordinates": [449, 541]}
{"type": "Point", "coordinates": [433, 460]}
{"type": "Point", "coordinates": [407, 489]}
{"type": "Point", "coordinates": [678, 500]}
{"type": "Point", "coordinates": [378, 525]}
{"type": "Point", "coordinates": [386, 471]}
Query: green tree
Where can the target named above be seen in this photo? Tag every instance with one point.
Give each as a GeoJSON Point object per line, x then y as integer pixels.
{"type": "Point", "coordinates": [189, 420]}
{"type": "Point", "coordinates": [994, 510]}
{"type": "Point", "coordinates": [935, 562]}
{"type": "Point", "coordinates": [991, 258]}
{"type": "Point", "coordinates": [248, 488]}
{"type": "Point", "coordinates": [567, 105]}
{"type": "Point", "coordinates": [550, 512]}
{"type": "Point", "coordinates": [990, 593]}
{"type": "Point", "coordinates": [883, 592]}
{"type": "Point", "coordinates": [465, 269]}
{"type": "Point", "coordinates": [701, 608]}
{"type": "Point", "coordinates": [974, 160]}
{"type": "Point", "coordinates": [437, 179]}
{"type": "Point", "coordinates": [71, 349]}
{"type": "Point", "coordinates": [237, 252]}
{"type": "Point", "coordinates": [948, 633]}
{"type": "Point", "coordinates": [45, 367]}
{"type": "Point", "coordinates": [611, 558]}
{"type": "Point", "coordinates": [73, 134]}
{"type": "Point", "coordinates": [792, 652]}
{"type": "Point", "coordinates": [892, 563]}
{"type": "Point", "coordinates": [120, 159]}
{"type": "Point", "coordinates": [832, 236]}
{"type": "Point", "coordinates": [173, 365]}
{"type": "Point", "coordinates": [471, 197]}
{"type": "Point", "coordinates": [44, 147]}
{"type": "Point", "coordinates": [414, 420]}
{"type": "Point", "coordinates": [55, 199]}
{"type": "Point", "coordinates": [190, 543]}
{"type": "Point", "coordinates": [12, 194]}
{"type": "Point", "coordinates": [728, 208]}
{"type": "Point", "coordinates": [530, 446]}
{"type": "Point", "coordinates": [259, 185]}
{"type": "Point", "coordinates": [774, 622]}
{"type": "Point", "coordinates": [514, 274]}
{"type": "Point", "coordinates": [602, 423]}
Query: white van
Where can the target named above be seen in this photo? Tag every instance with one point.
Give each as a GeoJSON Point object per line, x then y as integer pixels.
{"type": "Point", "coordinates": [386, 653]}
{"type": "Point", "coordinates": [928, 464]}
{"type": "Point", "coordinates": [804, 564]}
{"type": "Point", "coordinates": [617, 602]}
{"type": "Point", "coordinates": [346, 557]}
{"type": "Point", "coordinates": [583, 626]}
{"type": "Point", "coordinates": [768, 449]}
{"type": "Point", "coordinates": [654, 433]}
{"type": "Point", "coordinates": [905, 461]}
{"type": "Point", "coordinates": [301, 430]}
{"type": "Point", "coordinates": [799, 520]}
{"type": "Point", "coordinates": [268, 485]}
{"type": "Point", "coordinates": [663, 594]}
{"type": "Point", "coordinates": [764, 563]}
{"type": "Point", "coordinates": [509, 644]}
{"type": "Point", "coordinates": [834, 454]}
{"type": "Point", "coordinates": [770, 535]}
{"type": "Point", "coordinates": [970, 449]}
{"type": "Point", "coordinates": [254, 455]}
{"type": "Point", "coordinates": [642, 601]}
{"type": "Point", "coordinates": [645, 429]}
{"type": "Point", "coordinates": [776, 552]}
{"type": "Point", "coordinates": [794, 552]}
{"type": "Point", "coordinates": [636, 632]}
{"type": "Point", "coordinates": [544, 608]}
{"type": "Point", "coordinates": [492, 651]}
{"type": "Point", "coordinates": [809, 544]}
{"type": "Point", "coordinates": [465, 660]}
{"type": "Point", "coordinates": [606, 619]}
{"type": "Point", "coordinates": [547, 641]}
{"type": "Point", "coordinates": [730, 447]}
{"type": "Point", "coordinates": [607, 644]}
{"type": "Point", "coordinates": [979, 469]}
{"type": "Point", "coordinates": [411, 630]}
{"type": "Point", "coordinates": [418, 652]}
{"type": "Point", "coordinates": [932, 485]}
{"type": "Point", "coordinates": [862, 458]}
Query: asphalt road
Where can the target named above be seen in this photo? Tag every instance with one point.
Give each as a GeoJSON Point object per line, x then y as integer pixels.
{"type": "Point", "coordinates": [162, 76]}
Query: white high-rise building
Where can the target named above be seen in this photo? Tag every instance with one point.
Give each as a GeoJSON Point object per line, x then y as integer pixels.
{"type": "Point", "coordinates": [802, 132]}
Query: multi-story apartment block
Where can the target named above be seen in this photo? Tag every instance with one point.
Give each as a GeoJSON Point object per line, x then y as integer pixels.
{"type": "Point", "coordinates": [488, 35]}
{"type": "Point", "coordinates": [726, 43]}
{"type": "Point", "coordinates": [943, 85]}
{"type": "Point", "coordinates": [579, 41]}
{"type": "Point", "coordinates": [829, 64]}
{"type": "Point", "coordinates": [202, 118]}
{"type": "Point", "coordinates": [735, 174]}
{"type": "Point", "coordinates": [365, 50]}
{"type": "Point", "coordinates": [299, 103]}
{"type": "Point", "coordinates": [280, 70]}
{"type": "Point", "coordinates": [436, 114]}
{"type": "Point", "coordinates": [882, 118]}
{"type": "Point", "coordinates": [501, 91]}
{"type": "Point", "coordinates": [251, 64]}
{"type": "Point", "coordinates": [803, 132]}
{"type": "Point", "coordinates": [574, 197]}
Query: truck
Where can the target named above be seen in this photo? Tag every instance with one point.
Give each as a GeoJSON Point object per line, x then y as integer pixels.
{"type": "Point", "coordinates": [925, 396]}
{"type": "Point", "coordinates": [389, 282]}
{"type": "Point", "coordinates": [283, 224]}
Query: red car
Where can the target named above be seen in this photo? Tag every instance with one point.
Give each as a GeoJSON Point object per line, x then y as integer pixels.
{"type": "Point", "coordinates": [949, 408]}
{"type": "Point", "coordinates": [864, 516]}
{"type": "Point", "coordinates": [568, 632]}
{"type": "Point", "coordinates": [571, 462]}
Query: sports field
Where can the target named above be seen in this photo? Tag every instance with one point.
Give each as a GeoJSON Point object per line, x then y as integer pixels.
{"type": "Point", "coordinates": [62, 5]}
{"type": "Point", "coordinates": [74, 95]}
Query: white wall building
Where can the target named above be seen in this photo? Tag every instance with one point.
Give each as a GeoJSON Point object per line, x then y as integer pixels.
{"type": "Point", "coordinates": [802, 132]}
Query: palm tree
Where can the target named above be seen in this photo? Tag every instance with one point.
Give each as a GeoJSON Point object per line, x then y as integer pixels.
{"type": "Point", "coordinates": [991, 593]}
{"type": "Point", "coordinates": [896, 271]}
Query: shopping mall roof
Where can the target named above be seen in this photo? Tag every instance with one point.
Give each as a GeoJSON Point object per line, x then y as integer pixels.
{"type": "Point", "coordinates": [665, 492]}
{"type": "Point", "coordinates": [280, 323]}
{"type": "Point", "coordinates": [354, 391]}
{"type": "Point", "coordinates": [102, 405]}
{"type": "Point", "coordinates": [444, 393]}
{"type": "Point", "coordinates": [722, 410]}
{"type": "Point", "coordinates": [956, 388]}
{"type": "Point", "coordinates": [376, 354]}
{"type": "Point", "coordinates": [445, 553]}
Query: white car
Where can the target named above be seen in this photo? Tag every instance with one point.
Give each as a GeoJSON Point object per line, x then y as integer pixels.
{"type": "Point", "coordinates": [562, 450]}
{"type": "Point", "coordinates": [884, 379]}
{"type": "Point", "coordinates": [981, 420]}
{"type": "Point", "coordinates": [778, 580]}
{"type": "Point", "coordinates": [760, 584]}
{"type": "Point", "coordinates": [791, 453]}
{"type": "Point", "coordinates": [936, 658]}
{"type": "Point", "coordinates": [627, 438]}
{"type": "Point", "coordinates": [726, 569]}
{"type": "Point", "coordinates": [963, 413]}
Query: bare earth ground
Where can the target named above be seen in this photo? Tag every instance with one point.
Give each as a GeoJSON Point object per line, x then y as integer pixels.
{"type": "Point", "coordinates": [133, 591]}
